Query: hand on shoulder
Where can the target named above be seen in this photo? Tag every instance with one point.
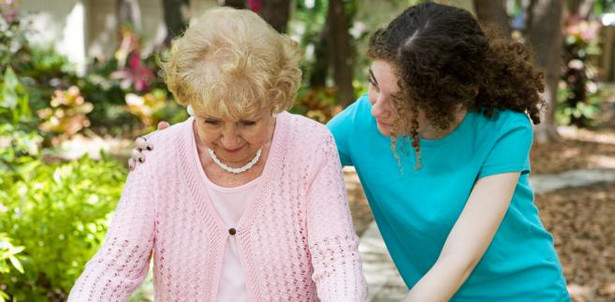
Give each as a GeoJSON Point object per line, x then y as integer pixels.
{"type": "Point", "coordinates": [141, 145]}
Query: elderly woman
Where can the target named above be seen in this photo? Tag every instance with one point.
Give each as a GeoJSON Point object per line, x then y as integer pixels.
{"type": "Point", "coordinates": [241, 202]}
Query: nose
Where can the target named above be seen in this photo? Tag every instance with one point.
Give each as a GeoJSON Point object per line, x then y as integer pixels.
{"type": "Point", "coordinates": [230, 139]}
{"type": "Point", "coordinates": [380, 108]}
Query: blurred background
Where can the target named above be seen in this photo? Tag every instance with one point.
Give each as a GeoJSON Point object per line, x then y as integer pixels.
{"type": "Point", "coordinates": [79, 82]}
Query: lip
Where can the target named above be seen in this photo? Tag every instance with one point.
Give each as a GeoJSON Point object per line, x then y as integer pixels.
{"type": "Point", "coordinates": [383, 123]}
{"type": "Point", "coordinates": [233, 150]}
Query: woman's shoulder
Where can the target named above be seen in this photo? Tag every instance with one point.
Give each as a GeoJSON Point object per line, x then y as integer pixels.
{"type": "Point", "coordinates": [166, 143]}
{"type": "Point", "coordinates": [307, 141]}
{"type": "Point", "coordinates": [166, 136]}
{"type": "Point", "coordinates": [303, 128]}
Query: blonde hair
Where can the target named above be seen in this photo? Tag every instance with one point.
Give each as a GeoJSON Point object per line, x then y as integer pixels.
{"type": "Point", "coordinates": [231, 63]}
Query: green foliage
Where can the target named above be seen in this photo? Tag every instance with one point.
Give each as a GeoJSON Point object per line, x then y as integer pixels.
{"type": "Point", "coordinates": [579, 99]}
{"type": "Point", "coordinates": [308, 25]}
{"type": "Point", "coordinates": [43, 73]}
{"type": "Point", "coordinates": [14, 46]}
{"type": "Point", "coordinates": [604, 6]}
{"type": "Point", "coordinates": [9, 259]}
{"type": "Point", "coordinates": [17, 146]}
{"type": "Point", "coordinates": [14, 99]}
{"type": "Point", "coordinates": [127, 91]}
{"type": "Point", "coordinates": [44, 207]}
{"type": "Point", "coordinates": [19, 143]}
{"type": "Point", "coordinates": [40, 69]}
{"type": "Point", "coordinates": [59, 213]}
{"type": "Point", "coordinates": [8, 255]}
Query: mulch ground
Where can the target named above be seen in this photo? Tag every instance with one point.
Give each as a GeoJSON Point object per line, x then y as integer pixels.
{"type": "Point", "coordinates": [578, 149]}
{"type": "Point", "coordinates": [581, 220]}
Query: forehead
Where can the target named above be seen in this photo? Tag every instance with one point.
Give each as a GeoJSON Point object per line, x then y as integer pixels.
{"type": "Point", "coordinates": [384, 74]}
{"type": "Point", "coordinates": [227, 116]}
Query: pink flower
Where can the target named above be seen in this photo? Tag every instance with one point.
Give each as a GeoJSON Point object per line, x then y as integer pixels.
{"type": "Point", "coordinates": [255, 5]}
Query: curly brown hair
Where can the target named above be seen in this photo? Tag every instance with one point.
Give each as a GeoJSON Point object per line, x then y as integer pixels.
{"type": "Point", "coordinates": [445, 60]}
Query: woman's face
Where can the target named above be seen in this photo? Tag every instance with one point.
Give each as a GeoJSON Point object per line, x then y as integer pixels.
{"type": "Point", "coordinates": [235, 142]}
{"type": "Point", "coordinates": [382, 88]}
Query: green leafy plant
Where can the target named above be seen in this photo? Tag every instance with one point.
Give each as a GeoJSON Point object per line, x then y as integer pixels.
{"type": "Point", "coordinates": [59, 213]}
{"type": "Point", "coordinates": [578, 97]}
{"type": "Point", "coordinates": [9, 259]}
{"type": "Point", "coordinates": [18, 142]}
{"type": "Point", "coordinates": [14, 46]}
{"type": "Point", "coordinates": [14, 98]}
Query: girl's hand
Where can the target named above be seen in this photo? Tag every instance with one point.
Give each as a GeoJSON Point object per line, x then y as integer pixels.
{"type": "Point", "coordinates": [141, 144]}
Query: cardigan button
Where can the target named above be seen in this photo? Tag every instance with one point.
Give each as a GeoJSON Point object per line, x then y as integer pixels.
{"type": "Point", "coordinates": [232, 231]}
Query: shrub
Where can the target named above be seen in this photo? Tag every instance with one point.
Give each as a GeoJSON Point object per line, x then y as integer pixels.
{"type": "Point", "coordinates": [579, 99]}
{"type": "Point", "coordinates": [59, 213]}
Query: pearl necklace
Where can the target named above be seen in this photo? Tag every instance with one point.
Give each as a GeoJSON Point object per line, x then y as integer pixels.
{"type": "Point", "coordinates": [235, 170]}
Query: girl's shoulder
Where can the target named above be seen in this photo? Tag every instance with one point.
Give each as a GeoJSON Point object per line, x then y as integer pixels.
{"type": "Point", "coordinates": [503, 120]}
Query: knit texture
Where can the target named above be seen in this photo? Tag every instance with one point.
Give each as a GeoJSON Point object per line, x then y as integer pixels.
{"type": "Point", "coordinates": [295, 238]}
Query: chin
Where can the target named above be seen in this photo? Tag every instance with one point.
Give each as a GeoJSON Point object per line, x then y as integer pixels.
{"type": "Point", "coordinates": [241, 156]}
{"type": "Point", "coordinates": [384, 131]}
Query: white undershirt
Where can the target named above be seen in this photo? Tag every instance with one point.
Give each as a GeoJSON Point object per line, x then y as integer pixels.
{"type": "Point", "coordinates": [230, 204]}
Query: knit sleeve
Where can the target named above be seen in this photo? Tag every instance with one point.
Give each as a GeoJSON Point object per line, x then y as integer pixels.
{"type": "Point", "coordinates": [333, 243]}
{"type": "Point", "coordinates": [122, 262]}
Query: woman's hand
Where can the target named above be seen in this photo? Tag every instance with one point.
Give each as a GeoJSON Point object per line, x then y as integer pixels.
{"type": "Point", "coordinates": [141, 144]}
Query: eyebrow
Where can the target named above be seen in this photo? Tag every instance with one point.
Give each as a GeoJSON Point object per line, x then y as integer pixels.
{"type": "Point", "coordinates": [207, 117]}
{"type": "Point", "coordinates": [371, 74]}
{"type": "Point", "coordinates": [211, 118]}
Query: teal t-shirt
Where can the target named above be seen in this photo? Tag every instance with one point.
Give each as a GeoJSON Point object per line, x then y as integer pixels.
{"type": "Point", "coordinates": [416, 209]}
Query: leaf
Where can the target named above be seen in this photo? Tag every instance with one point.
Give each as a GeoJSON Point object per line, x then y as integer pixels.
{"type": "Point", "coordinates": [16, 264]}
{"type": "Point", "coordinates": [17, 250]}
{"type": "Point", "coordinates": [3, 296]}
{"type": "Point", "coordinates": [9, 89]}
{"type": "Point", "coordinates": [15, 97]}
{"type": "Point", "coordinates": [25, 113]}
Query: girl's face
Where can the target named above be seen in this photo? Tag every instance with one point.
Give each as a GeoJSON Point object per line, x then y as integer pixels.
{"type": "Point", "coordinates": [235, 142]}
{"type": "Point", "coordinates": [382, 88]}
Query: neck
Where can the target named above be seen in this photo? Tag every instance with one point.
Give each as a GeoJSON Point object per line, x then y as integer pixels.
{"type": "Point", "coordinates": [428, 131]}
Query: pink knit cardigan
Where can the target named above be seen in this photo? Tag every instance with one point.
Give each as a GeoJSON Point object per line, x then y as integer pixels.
{"type": "Point", "coordinates": [296, 240]}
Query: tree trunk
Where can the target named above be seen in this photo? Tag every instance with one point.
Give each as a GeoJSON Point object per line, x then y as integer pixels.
{"type": "Point", "coordinates": [341, 52]}
{"type": "Point", "coordinates": [320, 67]}
{"type": "Point", "coordinates": [129, 13]}
{"type": "Point", "coordinates": [276, 13]}
{"type": "Point", "coordinates": [545, 35]}
{"type": "Point", "coordinates": [493, 12]}
{"type": "Point", "coordinates": [239, 4]}
{"type": "Point", "coordinates": [174, 18]}
{"type": "Point", "coordinates": [582, 8]}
